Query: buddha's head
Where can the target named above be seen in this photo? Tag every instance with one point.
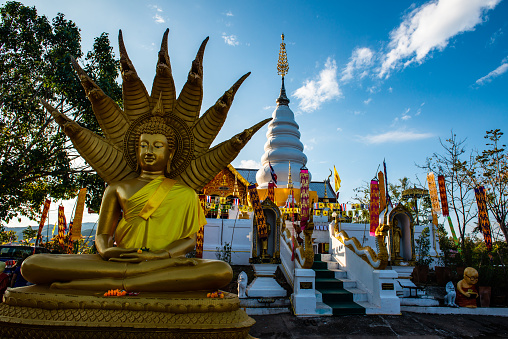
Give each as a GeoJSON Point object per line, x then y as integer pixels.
{"type": "Point", "coordinates": [471, 275]}
{"type": "Point", "coordinates": [156, 146]}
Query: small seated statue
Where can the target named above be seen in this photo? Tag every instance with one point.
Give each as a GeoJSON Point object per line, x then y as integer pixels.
{"type": "Point", "coordinates": [467, 291]}
{"type": "Point", "coordinates": [449, 299]}
{"type": "Point", "coordinates": [242, 285]}
{"type": "Point", "coordinates": [154, 156]}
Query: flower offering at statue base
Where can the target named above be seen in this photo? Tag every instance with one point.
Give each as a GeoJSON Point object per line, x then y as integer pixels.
{"type": "Point", "coordinates": [216, 294]}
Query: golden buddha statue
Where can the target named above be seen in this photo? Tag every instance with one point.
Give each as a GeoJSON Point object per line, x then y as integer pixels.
{"type": "Point", "coordinates": [154, 157]}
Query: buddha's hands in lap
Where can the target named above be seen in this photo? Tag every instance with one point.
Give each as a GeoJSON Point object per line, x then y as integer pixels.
{"type": "Point", "coordinates": [115, 252]}
{"type": "Point", "coordinates": [136, 257]}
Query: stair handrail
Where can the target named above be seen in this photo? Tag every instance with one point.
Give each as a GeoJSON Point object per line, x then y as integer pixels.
{"type": "Point", "coordinates": [377, 261]}
{"type": "Point", "coordinates": [304, 255]}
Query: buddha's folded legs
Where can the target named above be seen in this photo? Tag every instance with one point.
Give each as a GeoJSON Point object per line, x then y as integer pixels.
{"type": "Point", "coordinates": [93, 273]}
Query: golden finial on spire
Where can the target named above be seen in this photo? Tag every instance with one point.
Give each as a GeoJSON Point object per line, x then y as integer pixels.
{"type": "Point", "coordinates": [282, 65]}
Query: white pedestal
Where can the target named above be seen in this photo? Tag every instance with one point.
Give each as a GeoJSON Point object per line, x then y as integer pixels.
{"type": "Point", "coordinates": [264, 284]}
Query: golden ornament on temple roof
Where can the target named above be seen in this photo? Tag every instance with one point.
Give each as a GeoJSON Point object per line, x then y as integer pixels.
{"type": "Point", "coordinates": [282, 65]}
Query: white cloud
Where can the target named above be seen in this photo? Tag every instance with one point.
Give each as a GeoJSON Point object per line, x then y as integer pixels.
{"type": "Point", "coordinates": [231, 40]}
{"type": "Point", "coordinates": [339, 129]}
{"type": "Point", "coordinates": [159, 19]}
{"type": "Point", "coordinates": [316, 92]}
{"type": "Point", "coordinates": [390, 90]}
{"type": "Point", "coordinates": [394, 136]}
{"type": "Point", "coordinates": [155, 7]}
{"type": "Point", "coordinates": [494, 74]}
{"type": "Point", "coordinates": [357, 112]}
{"type": "Point", "coordinates": [366, 102]}
{"type": "Point", "coordinates": [308, 147]}
{"type": "Point", "coordinates": [361, 58]}
{"type": "Point", "coordinates": [430, 27]}
{"type": "Point", "coordinates": [249, 164]}
{"type": "Point", "coordinates": [229, 13]}
{"type": "Point", "coordinates": [266, 108]}
{"type": "Point", "coordinates": [406, 117]}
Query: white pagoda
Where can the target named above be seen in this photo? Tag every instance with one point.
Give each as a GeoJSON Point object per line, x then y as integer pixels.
{"type": "Point", "coordinates": [283, 144]}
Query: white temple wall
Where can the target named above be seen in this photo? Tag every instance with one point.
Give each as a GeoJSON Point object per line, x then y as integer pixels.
{"type": "Point", "coordinates": [238, 232]}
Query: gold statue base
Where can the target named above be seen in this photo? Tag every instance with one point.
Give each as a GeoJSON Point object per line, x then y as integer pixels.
{"type": "Point", "coordinates": [40, 312]}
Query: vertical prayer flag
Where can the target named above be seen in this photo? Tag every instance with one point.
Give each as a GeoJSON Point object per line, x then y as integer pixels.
{"type": "Point", "coordinates": [70, 243]}
{"type": "Point", "coordinates": [374, 206]}
{"type": "Point", "coordinates": [382, 193]}
{"type": "Point", "coordinates": [61, 225]}
{"type": "Point", "coordinates": [483, 215]}
{"type": "Point", "coordinates": [271, 191]}
{"type": "Point", "coordinates": [78, 215]}
{"type": "Point", "coordinates": [272, 173]}
{"type": "Point", "coordinates": [336, 179]}
{"type": "Point", "coordinates": [258, 212]}
{"type": "Point", "coordinates": [304, 197]}
{"type": "Point", "coordinates": [200, 236]}
{"type": "Point", "coordinates": [442, 194]}
{"type": "Point", "coordinates": [43, 218]}
{"type": "Point", "coordinates": [433, 193]}
{"type": "Point", "coordinates": [388, 200]}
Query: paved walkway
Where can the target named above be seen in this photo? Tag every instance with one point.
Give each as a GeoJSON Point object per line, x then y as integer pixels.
{"type": "Point", "coordinates": [408, 325]}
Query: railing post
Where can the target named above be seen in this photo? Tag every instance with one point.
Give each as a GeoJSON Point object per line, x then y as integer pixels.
{"type": "Point", "coordinates": [304, 295]}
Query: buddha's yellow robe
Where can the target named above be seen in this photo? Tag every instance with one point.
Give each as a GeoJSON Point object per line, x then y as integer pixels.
{"type": "Point", "coordinates": [167, 217]}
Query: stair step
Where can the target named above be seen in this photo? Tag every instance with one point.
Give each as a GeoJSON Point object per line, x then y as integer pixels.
{"type": "Point", "coordinates": [328, 283]}
{"type": "Point", "coordinates": [324, 273]}
{"type": "Point", "coordinates": [336, 295]}
{"type": "Point", "coordinates": [319, 265]}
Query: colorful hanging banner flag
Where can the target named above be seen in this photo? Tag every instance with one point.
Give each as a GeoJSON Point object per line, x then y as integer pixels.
{"type": "Point", "coordinates": [271, 191]}
{"type": "Point", "coordinates": [61, 225]}
{"type": "Point", "coordinates": [44, 215]}
{"type": "Point", "coordinates": [200, 236]}
{"type": "Point", "coordinates": [272, 174]}
{"type": "Point", "coordinates": [321, 205]}
{"type": "Point", "coordinates": [454, 235]}
{"type": "Point", "coordinates": [304, 198]}
{"type": "Point", "coordinates": [442, 195]}
{"type": "Point", "coordinates": [336, 180]}
{"type": "Point", "coordinates": [374, 206]}
{"type": "Point", "coordinates": [258, 212]}
{"type": "Point", "coordinates": [70, 243]}
{"type": "Point", "coordinates": [78, 215]}
{"type": "Point", "coordinates": [483, 216]}
{"type": "Point", "coordinates": [433, 193]}
{"type": "Point", "coordinates": [315, 205]}
{"type": "Point", "coordinates": [387, 195]}
{"type": "Point", "coordinates": [382, 193]}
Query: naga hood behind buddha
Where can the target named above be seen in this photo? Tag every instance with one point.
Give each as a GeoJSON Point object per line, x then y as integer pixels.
{"type": "Point", "coordinates": [160, 214]}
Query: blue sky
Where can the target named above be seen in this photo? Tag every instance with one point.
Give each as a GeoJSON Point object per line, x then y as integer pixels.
{"type": "Point", "coordinates": [367, 79]}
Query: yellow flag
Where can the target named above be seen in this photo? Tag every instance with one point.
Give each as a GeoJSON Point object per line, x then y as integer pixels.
{"type": "Point", "coordinates": [336, 178]}
{"type": "Point", "coordinates": [53, 231]}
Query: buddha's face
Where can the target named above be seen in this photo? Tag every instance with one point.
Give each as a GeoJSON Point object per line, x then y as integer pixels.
{"type": "Point", "coordinates": [471, 276]}
{"type": "Point", "coordinates": [153, 152]}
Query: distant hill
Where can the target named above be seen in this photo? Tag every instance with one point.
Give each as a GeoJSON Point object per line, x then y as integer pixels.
{"type": "Point", "coordinates": [87, 229]}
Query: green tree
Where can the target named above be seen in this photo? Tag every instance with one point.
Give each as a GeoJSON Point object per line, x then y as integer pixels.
{"type": "Point", "coordinates": [7, 236]}
{"type": "Point", "coordinates": [29, 233]}
{"type": "Point", "coordinates": [36, 160]}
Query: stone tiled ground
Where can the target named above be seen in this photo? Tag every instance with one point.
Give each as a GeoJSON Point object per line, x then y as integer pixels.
{"type": "Point", "coordinates": [408, 325]}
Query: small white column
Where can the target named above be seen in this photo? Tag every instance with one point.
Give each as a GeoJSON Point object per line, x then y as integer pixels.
{"type": "Point", "coordinates": [304, 296]}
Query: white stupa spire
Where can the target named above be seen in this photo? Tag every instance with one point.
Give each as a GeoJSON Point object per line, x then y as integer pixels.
{"type": "Point", "coordinates": [283, 144]}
